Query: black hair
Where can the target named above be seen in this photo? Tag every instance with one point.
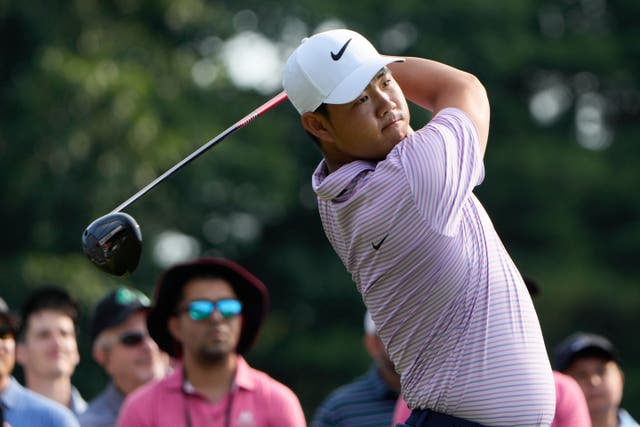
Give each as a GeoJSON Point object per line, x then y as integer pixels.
{"type": "Point", "coordinates": [47, 297]}
{"type": "Point", "coordinates": [202, 275]}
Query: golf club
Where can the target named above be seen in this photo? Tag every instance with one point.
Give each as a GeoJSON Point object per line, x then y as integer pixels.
{"type": "Point", "coordinates": [114, 242]}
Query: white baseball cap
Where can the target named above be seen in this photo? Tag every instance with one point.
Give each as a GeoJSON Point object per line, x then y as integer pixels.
{"type": "Point", "coordinates": [332, 67]}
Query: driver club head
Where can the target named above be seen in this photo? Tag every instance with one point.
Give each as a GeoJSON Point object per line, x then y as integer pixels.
{"type": "Point", "coordinates": [113, 243]}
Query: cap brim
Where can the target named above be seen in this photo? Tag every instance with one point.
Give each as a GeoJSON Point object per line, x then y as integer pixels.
{"type": "Point", "coordinates": [584, 345]}
{"type": "Point", "coordinates": [357, 81]}
{"type": "Point", "coordinates": [121, 316]}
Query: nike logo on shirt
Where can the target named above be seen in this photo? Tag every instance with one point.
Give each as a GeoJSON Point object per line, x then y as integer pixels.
{"type": "Point", "coordinates": [337, 56]}
{"type": "Point", "coordinates": [377, 246]}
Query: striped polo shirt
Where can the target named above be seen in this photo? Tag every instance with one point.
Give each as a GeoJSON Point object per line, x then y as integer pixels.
{"type": "Point", "coordinates": [448, 301]}
{"type": "Point", "coordinates": [366, 402]}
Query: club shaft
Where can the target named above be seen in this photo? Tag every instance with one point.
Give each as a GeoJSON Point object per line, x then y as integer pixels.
{"type": "Point", "coordinates": [238, 125]}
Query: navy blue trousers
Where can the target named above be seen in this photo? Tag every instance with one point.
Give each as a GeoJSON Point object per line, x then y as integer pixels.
{"type": "Point", "coordinates": [428, 418]}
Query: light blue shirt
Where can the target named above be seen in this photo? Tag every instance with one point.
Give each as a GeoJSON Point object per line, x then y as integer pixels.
{"type": "Point", "coordinates": [78, 405]}
{"type": "Point", "coordinates": [625, 419]}
{"type": "Point", "coordinates": [24, 408]}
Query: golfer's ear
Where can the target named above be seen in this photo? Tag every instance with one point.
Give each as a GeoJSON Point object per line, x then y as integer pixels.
{"type": "Point", "coordinates": [317, 125]}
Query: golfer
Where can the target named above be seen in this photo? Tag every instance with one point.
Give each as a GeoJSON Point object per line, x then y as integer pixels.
{"type": "Point", "coordinates": [398, 208]}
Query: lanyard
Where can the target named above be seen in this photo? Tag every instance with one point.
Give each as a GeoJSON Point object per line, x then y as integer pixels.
{"type": "Point", "coordinates": [187, 414]}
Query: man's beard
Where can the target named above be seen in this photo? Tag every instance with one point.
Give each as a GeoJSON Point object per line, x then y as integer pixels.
{"type": "Point", "coordinates": [213, 354]}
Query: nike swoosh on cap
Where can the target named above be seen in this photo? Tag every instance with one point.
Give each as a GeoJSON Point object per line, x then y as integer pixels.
{"type": "Point", "coordinates": [337, 56]}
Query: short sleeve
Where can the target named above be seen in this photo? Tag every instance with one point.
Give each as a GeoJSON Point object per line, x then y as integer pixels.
{"type": "Point", "coordinates": [443, 165]}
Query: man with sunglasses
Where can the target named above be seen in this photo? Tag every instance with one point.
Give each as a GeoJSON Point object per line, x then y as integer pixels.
{"type": "Point", "coordinates": [122, 347]}
{"type": "Point", "coordinates": [207, 313]}
{"type": "Point", "coordinates": [20, 406]}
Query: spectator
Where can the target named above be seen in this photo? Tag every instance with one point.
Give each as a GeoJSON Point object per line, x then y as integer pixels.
{"type": "Point", "coordinates": [23, 407]}
{"type": "Point", "coordinates": [596, 365]}
{"type": "Point", "coordinates": [122, 347]}
{"type": "Point", "coordinates": [369, 400]}
{"type": "Point", "coordinates": [207, 312]}
{"type": "Point", "coordinates": [398, 208]}
{"type": "Point", "coordinates": [571, 405]}
{"type": "Point", "coordinates": [47, 347]}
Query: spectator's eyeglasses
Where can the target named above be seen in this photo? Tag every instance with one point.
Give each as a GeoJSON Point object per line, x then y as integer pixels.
{"type": "Point", "coordinates": [203, 309]}
{"type": "Point", "coordinates": [131, 339]}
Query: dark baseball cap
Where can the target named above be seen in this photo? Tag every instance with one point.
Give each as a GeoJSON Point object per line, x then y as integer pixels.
{"type": "Point", "coordinates": [583, 344]}
{"type": "Point", "coordinates": [8, 321]}
{"type": "Point", "coordinates": [250, 291]}
{"type": "Point", "coordinates": [116, 307]}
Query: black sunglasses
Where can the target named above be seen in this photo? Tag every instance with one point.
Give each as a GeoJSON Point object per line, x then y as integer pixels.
{"type": "Point", "coordinates": [131, 339]}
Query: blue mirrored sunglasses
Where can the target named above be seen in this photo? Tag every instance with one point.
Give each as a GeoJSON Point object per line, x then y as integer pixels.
{"type": "Point", "coordinates": [202, 309]}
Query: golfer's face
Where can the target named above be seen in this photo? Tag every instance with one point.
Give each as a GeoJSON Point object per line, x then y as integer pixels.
{"type": "Point", "coordinates": [371, 125]}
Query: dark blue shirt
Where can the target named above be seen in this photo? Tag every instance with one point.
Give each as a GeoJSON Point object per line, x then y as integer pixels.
{"type": "Point", "coordinates": [366, 402]}
{"type": "Point", "coordinates": [103, 410]}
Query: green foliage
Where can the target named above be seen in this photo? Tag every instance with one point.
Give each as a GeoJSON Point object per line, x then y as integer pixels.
{"type": "Point", "coordinates": [99, 98]}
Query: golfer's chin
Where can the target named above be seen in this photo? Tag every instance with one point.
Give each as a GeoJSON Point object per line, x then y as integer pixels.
{"type": "Point", "coordinates": [396, 133]}
{"type": "Point", "coordinates": [397, 130]}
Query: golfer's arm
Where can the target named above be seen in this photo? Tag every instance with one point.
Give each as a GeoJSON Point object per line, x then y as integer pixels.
{"type": "Point", "coordinates": [435, 86]}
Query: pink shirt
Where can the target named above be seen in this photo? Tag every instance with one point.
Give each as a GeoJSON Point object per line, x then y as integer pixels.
{"type": "Point", "coordinates": [571, 405]}
{"type": "Point", "coordinates": [401, 412]}
{"type": "Point", "coordinates": [257, 400]}
{"type": "Point", "coordinates": [447, 299]}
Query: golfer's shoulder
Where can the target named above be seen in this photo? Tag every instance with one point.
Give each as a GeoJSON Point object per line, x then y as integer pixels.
{"type": "Point", "coordinates": [454, 119]}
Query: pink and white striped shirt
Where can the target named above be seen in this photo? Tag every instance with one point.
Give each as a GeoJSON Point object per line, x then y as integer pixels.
{"type": "Point", "coordinates": [448, 301]}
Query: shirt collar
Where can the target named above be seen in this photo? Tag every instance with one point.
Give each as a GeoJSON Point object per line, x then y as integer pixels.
{"type": "Point", "coordinates": [330, 186]}
{"type": "Point", "coordinates": [243, 380]}
{"type": "Point", "coordinates": [625, 420]}
{"type": "Point", "coordinates": [12, 393]}
{"type": "Point", "coordinates": [77, 404]}
{"type": "Point", "coordinates": [112, 398]}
